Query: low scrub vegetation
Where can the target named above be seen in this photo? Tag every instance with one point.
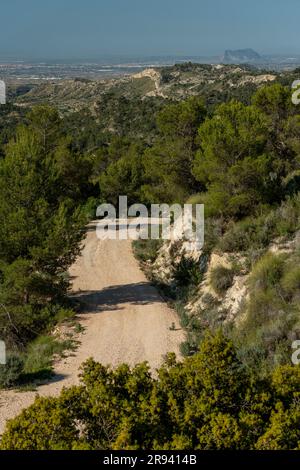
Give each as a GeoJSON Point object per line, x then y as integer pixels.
{"type": "Point", "coordinates": [272, 313]}
{"type": "Point", "coordinates": [208, 401]}
{"type": "Point", "coordinates": [241, 159]}
{"type": "Point", "coordinates": [35, 365]}
{"type": "Point", "coordinates": [221, 278]}
{"type": "Point", "coordinates": [146, 250]}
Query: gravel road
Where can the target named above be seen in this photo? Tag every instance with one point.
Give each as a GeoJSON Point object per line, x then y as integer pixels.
{"type": "Point", "coordinates": [124, 318]}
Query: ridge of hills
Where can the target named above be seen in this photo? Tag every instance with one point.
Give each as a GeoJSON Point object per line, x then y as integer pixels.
{"type": "Point", "coordinates": [127, 106]}
{"type": "Point", "coordinates": [175, 83]}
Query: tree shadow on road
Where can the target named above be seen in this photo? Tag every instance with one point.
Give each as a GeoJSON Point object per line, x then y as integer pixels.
{"type": "Point", "coordinates": [112, 298]}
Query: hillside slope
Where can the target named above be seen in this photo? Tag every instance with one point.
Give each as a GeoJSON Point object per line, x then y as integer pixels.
{"type": "Point", "coordinates": [177, 82]}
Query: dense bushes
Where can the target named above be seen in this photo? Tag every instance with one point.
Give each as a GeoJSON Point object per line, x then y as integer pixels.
{"type": "Point", "coordinates": [243, 163]}
{"type": "Point", "coordinates": [188, 273]}
{"type": "Point", "coordinates": [11, 372]}
{"type": "Point", "coordinates": [168, 163]}
{"type": "Point", "coordinates": [246, 163]}
{"type": "Point", "coordinates": [41, 229]}
{"type": "Point", "coordinates": [34, 365]}
{"type": "Point", "coordinates": [221, 279]}
{"type": "Point", "coordinates": [258, 232]}
{"type": "Point", "coordinates": [271, 320]}
{"type": "Point", "coordinates": [146, 250]}
{"type": "Point", "coordinates": [209, 401]}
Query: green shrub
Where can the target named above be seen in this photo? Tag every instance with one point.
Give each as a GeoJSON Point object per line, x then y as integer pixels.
{"type": "Point", "coordinates": [11, 372]}
{"type": "Point", "coordinates": [267, 272]}
{"type": "Point", "coordinates": [90, 208]}
{"type": "Point", "coordinates": [185, 349]}
{"type": "Point", "coordinates": [195, 199]}
{"type": "Point", "coordinates": [262, 305]}
{"type": "Point", "coordinates": [291, 280]}
{"type": "Point", "coordinates": [257, 232]}
{"type": "Point", "coordinates": [188, 272]}
{"type": "Point", "coordinates": [209, 300]}
{"type": "Point", "coordinates": [182, 313]}
{"type": "Point", "coordinates": [221, 279]}
{"type": "Point", "coordinates": [34, 364]}
{"type": "Point", "coordinates": [272, 313]}
{"type": "Point", "coordinates": [265, 341]}
{"type": "Point", "coordinates": [239, 237]}
{"type": "Point", "coordinates": [194, 337]}
{"type": "Point", "coordinates": [39, 355]}
{"type": "Point", "coordinates": [64, 314]}
{"type": "Point", "coordinates": [145, 250]}
{"type": "Point", "coordinates": [207, 402]}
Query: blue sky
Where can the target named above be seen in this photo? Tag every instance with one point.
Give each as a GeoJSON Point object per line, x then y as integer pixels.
{"type": "Point", "coordinates": [92, 28]}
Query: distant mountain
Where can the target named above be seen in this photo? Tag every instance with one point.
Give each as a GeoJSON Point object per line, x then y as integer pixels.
{"type": "Point", "coordinates": [240, 56]}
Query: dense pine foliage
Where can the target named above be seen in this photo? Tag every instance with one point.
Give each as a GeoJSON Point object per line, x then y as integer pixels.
{"type": "Point", "coordinates": [243, 162]}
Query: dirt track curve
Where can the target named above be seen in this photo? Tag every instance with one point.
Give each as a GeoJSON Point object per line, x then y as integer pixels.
{"type": "Point", "coordinates": [125, 319]}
